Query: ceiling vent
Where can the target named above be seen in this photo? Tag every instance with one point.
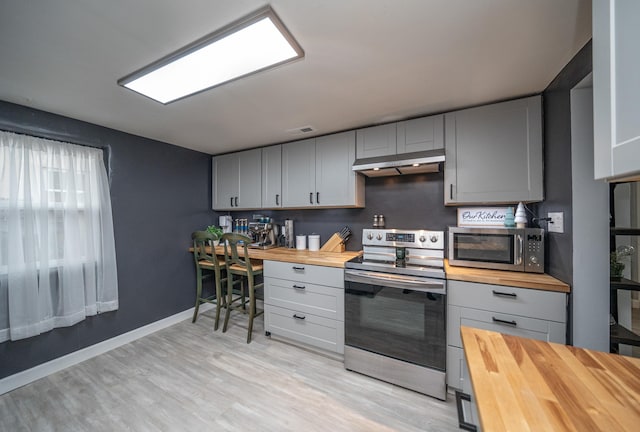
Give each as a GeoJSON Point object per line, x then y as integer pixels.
{"type": "Point", "coordinates": [301, 130]}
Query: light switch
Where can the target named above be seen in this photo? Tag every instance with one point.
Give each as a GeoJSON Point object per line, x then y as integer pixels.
{"type": "Point", "coordinates": [556, 224]}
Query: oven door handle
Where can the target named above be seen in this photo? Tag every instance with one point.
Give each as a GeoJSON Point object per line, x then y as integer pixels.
{"type": "Point", "coordinates": [436, 286]}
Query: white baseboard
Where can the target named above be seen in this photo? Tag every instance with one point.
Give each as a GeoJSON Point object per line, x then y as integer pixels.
{"type": "Point", "coordinates": [12, 382]}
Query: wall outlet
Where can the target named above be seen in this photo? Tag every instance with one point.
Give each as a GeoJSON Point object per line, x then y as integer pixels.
{"type": "Point", "coordinates": [556, 224]}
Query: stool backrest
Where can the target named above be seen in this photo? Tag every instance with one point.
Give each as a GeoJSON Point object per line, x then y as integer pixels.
{"type": "Point", "coordinates": [231, 242]}
{"type": "Point", "coordinates": [201, 241]}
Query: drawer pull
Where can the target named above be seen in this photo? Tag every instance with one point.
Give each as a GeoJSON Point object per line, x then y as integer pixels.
{"type": "Point", "coordinates": [504, 294]}
{"type": "Point", "coordinates": [300, 317]}
{"type": "Point", "coordinates": [499, 321]}
{"type": "Point", "coordinates": [298, 268]}
{"type": "Point", "coordinates": [299, 287]}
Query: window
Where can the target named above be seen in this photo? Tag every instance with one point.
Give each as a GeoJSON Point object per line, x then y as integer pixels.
{"type": "Point", "coordinates": [57, 252]}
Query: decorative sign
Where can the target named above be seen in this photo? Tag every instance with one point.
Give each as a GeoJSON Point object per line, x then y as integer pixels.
{"type": "Point", "coordinates": [481, 216]}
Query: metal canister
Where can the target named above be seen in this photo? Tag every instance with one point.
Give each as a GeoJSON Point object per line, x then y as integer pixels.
{"type": "Point", "coordinates": [376, 221]}
{"type": "Point", "coordinates": [380, 221]}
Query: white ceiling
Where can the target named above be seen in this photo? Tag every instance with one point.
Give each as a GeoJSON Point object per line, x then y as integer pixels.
{"type": "Point", "coordinates": [367, 62]}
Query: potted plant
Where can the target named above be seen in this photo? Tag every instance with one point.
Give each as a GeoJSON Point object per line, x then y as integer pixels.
{"type": "Point", "coordinates": [217, 231]}
{"type": "Point", "coordinates": [616, 266]}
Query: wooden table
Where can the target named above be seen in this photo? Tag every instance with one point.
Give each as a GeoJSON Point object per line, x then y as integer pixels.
{"type": "Point", "coordinates": [327, 259]}
{"type": "Point", "coordinates": [527, 385]}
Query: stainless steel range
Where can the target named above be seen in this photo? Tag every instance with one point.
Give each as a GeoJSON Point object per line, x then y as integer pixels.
{"type": "Point", "coordinates": [395, 303]}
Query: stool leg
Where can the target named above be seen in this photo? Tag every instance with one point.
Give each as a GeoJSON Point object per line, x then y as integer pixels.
{"type": "Point", "coordinates": [229, 299]}
{"type": "Point", "coordinates": [219, 300]}
{"type": "Point", "coordinates": [252, 308]}
{"type": "Point", "coordinates": [198, 293]}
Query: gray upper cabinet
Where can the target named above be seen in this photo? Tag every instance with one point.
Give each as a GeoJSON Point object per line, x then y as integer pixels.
{"type": "Point", "coordinates": [616, 67]}
{"type": "Point", "coordinates": [317, 173]}
{"type": "Point", "coordinates": [376, 141]}
{"type": "Point", "coordinates": [236, 180]}
{"type": "Point", "coordinates": [272, 177]}
{"type": "Point", "coordinates": [494, 153]}
{"type": "Point", "coordinates": [420, 134]}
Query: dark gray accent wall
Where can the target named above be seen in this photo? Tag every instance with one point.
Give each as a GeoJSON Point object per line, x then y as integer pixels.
{"type": "Point", "coordinates": [160, 193]}
{"type": "Point", "coordinates": [557, 161]}
{"type": "Point", "coordinates": [410, 202]}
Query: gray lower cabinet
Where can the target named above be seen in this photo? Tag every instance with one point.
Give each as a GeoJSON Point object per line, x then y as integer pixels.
{"type": "Point", "coordinates": [317, 173]}
{"type": "Point", "coordinates": [272, 176]}
{"type": "Point", "coordinates": [236, 180]}
{"type": "Point", "coordinates": [522, 312]}
{"type": "Point", "coordinates": [494, 153]}
{"type": "Point", "coordinates": [616, 67]}
{"type": "Point", "coordinates": [305, 303]}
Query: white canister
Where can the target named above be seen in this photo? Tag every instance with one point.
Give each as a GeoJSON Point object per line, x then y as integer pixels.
{"type": "Point", "coordinates": [301, 242]}
{"type": "Point", "coordinates": [314, 242]}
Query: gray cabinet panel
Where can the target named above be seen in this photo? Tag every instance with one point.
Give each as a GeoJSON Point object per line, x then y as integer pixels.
{"type": "Point", "coordinates": [335, 180]}
{"type": "Point", "coordinates": [225, 181]}
{"type": "Point", "coordinates": [236, 180]}
{"type": "Point", "coordinates": [249, 179]}
{"type": "Point", "coordinates": [494, 153]}
{"type": "Point", "coordinates": [616, 92]}
{"type": "Point", "coordinates": [420, 134]}
{"type": "Point", "coordinates": [299, 173]}
{"type": "Point", "coordinates": [272, 176]}
{"type": "Point", "coordinates": [376, 141]}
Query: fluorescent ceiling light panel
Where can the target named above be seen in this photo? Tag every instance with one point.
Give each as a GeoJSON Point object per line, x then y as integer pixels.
{"type": "Point", "coordinates": [254, 43]}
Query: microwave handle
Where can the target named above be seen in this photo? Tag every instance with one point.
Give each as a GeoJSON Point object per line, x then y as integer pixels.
{"type": "Point", "coordinates": [519, 249]}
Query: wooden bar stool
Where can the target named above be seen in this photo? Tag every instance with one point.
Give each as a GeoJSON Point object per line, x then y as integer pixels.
{"type": "Point", "coordinates": [208, 265]}
{"type": "Point", "coordinates": [246, 269]}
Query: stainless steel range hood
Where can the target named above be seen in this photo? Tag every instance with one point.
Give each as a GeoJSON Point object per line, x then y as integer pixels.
{"type": "Point", "coordinates": [400, 164]}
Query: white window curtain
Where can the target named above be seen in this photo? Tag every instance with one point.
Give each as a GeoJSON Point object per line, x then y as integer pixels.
{"type": "Point", "coordinates": [57, 251]}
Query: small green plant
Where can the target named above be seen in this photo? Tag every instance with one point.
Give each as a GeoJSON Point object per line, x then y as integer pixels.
{"type": "Point", "coordinates": [217, 231]}
{"type": "Point", "coordinates": [616, 266]}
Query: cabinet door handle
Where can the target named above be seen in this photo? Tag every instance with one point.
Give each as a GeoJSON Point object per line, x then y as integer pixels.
{"type": "Point", "coordinates": [300, 317]}
{"type": "Point", "coordinates": [504, 294]}
{"type": "Point", "coordinates": [277, 199]}
{"type": "Point", "coordinates": [236, 201]}
{"type": "Point", "coordinates": [451, 190]}
{"type": "Point", "coordinates": [318, 197]}
{"type": "Point", "coordinates": [299, 287]}
{"type": "Point", "coordinates": [499, 321]}
{"type": "Point", "coordinates": [462, 422]}
{"type": "Point", "coordinates": [298, 268]}
{"type": "Point", "coordinates": [231, 201]}
{"type": "Point", "coordinates": [310, 197]}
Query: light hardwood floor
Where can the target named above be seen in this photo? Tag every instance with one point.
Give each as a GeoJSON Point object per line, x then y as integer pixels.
{"type": "Point", "coordinates": [189, 378]}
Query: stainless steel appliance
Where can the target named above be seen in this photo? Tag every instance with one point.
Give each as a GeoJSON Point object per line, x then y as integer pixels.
{"type": "Point", "coordinates": [264, 235]}
{"type": "Point", "coordinates": [395, 303]}
{"type": "Point", "coordinates": [515, 249]}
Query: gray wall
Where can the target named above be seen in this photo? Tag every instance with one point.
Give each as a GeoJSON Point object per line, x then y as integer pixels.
{"type": "Point", "coordinates": [160, 193]}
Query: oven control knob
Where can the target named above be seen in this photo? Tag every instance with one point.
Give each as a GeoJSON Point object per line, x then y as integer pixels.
{"type": "Point", "coordinates": [370, 236]}
{"type": "Point", "coordinates": [379, 237]}
{"type": "Point", "coordinates": [433, 238]}
{"type": "Point", "coordinates": [422, 239]}
{"type": "Point", "coordinates": [533, 260]}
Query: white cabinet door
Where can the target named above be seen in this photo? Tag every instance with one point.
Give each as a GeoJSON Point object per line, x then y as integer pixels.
{"type": "Point", "coordinates": [494, 153]}
{"type": "Point", "coordinates": [225, 181]}
{"type": "Point", "coordinates": [299, 173]}
{"type": "Point", "coordinates": [616, 88]}
{"type": "Point", "coordinates": [420, 134]}
{"type": "Point", "coordinates": [249, 179]}
{"type": "Point", "coordinates": [272, 177]}
{"type": "Point", "coordinates": [376, 141]}
{"type": "Point", "coordinates": [336, 183]}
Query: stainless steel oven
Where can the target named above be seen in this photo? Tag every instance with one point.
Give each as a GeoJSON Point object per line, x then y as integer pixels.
{"type": "Point", "coordinates": [395, 305]}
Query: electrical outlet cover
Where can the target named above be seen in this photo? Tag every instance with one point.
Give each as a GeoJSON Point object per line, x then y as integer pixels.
{"type": "Point", "coordinates": [556, 224]}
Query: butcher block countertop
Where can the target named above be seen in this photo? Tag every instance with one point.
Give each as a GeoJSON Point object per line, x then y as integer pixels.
{"type": "Point", "coordinates": [327, 259]}
{"type": "Point", "coordinates": [507, 278]}
{"type": "Point", "coordinates": [528, 385]}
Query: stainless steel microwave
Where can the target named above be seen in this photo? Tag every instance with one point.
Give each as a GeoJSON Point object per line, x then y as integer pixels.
{"type": "Point", "coordinates": [515, 249]}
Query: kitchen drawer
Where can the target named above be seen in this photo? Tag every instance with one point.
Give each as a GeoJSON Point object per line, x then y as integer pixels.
{"type": "Point", "coordinates": [305, 297]}
{"type": "Point", "coordinates": [549, 331]}
{"type": "Point", "coordinates": [546, 305]}
{"type": "Point", "coordinates": [310, 329]}
{"type": "Point", "coordinates": [329, 276]}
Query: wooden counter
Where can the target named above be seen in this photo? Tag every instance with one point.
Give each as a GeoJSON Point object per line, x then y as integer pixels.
{"type": "Point", "coordinates": [528, 385]}
{"type": "Point", "coordinates": [327, 259]}
{"type": "Point", "coordinates": [507, 278]}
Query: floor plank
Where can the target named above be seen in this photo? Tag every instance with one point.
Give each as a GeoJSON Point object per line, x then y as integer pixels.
{"type": "Point", "coordinates": [188, 377]}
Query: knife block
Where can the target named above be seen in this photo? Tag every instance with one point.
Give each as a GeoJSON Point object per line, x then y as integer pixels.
{"type": "Point", "coordinates": [334, 244]}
